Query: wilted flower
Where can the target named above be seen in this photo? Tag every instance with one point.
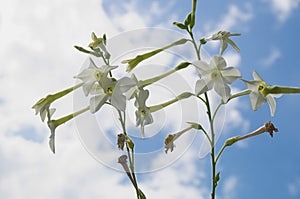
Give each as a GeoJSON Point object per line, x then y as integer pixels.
{"type": "Point", "coordinates": [169, 141]}
{"type": "Point", "coordinates": [215, 75]}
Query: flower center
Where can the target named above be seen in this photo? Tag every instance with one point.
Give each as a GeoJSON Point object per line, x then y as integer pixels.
{"type": "Point", "coordinates": [142, 111]}
{"type": "Point", "coordinates": [109, 90]}
{"type": "Point", "coordinates": [215, 74]}
{"type": "Point", "coordinates": [261, 88]}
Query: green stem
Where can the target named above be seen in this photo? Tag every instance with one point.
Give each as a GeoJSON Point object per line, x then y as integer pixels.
{"type": "Point", "coordinates": [281, 90]}
{"type": "Point", "coordinates": [220, 153]}
{"type": "Point", "coordinates": [157, 78]}
{"type": "Point", "coordinates": [64, 119]}
{"type": "Point", "coordinates": [130, 155]}
{"type": "Point", "coordinates": [165, 104]}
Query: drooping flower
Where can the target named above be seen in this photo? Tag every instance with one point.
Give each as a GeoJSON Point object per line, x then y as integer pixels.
{"type": "Point", "coordinates": [53, 124]}
{"type": "Point", "coordinates": [169, 141]}
{"type": "Point", "coordinates": [143, 114]}
{"type": "Point", "coordinates": [257, 95]}
{"type": "Point", "coordinates": [94, 75]}
{"type": "Point", "coordinates": [215, 75]}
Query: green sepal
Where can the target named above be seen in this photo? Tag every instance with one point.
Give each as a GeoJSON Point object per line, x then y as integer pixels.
{"type": "Point", "coordinates": [182, 65]}
{"type": "Point", "coordinates": [81, 49]}
{"type": "Point", "coordinates": [231, 141]}
{"type": "Point", "coordinates": [195, 125]}
{"type": "Point", "coordinates": [180, 25]}
{"type": "Point", "coordinates": [217, 179]}
{"type": "Point", "coordinates": [187, 21]}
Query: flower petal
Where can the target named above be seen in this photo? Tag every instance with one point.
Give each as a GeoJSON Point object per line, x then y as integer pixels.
{"type": "Point", "coordinates": [203, 85]}
{"type": "Point", "coordinates": [272, 104]}
{"type": "Point", "coordinates": [218, 62]}
{"type": "Point", "coordinates": [257, 100]}
{"type": "Point", "coordinates": [118, 100]}
{"type": "Point", "coordinates": [202, 66]}
{"type": "Point", "coordinates": [256, 76]}
{"type": "Point", "coordinates": [97, 102]}
{"type": "Point", "coordinates": [222, 89]}
{"type": "Point", "coordinates": [125, 84]}
{"type": "Point", "coordinates": [252, 85]}
{"type": "Point", "coordinates": [230, 74]}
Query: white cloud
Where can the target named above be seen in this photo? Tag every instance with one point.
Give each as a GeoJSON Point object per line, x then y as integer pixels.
{"type": "Point", "coordinates": [37, 58]}
{"type": "Point", "coordinates": [294, 187]}
{"type": "Point", "coordinates": [233, 18]}
{"type": "Point", "coordinates": [269, 60]}
{"type": "Point", "coordinates": [283, 9]}
{"type": "Point", "coordinates": [229, 186]}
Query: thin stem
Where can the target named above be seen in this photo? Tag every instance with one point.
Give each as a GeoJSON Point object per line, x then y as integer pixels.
{"type": "Point", "coordinates": [130, 154]}
{"type": "Point", "coordinates": [216, 111]}
{"type": "Point", "coordinates": [195, 45]}
{"type": "Point", "coordinates": [207, 136]}
{"type": "Point", "coordinates": [220, 153]}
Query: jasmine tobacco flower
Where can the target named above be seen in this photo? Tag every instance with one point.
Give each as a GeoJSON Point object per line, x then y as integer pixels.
{"type": "Point", "coordinates": [215, 75]}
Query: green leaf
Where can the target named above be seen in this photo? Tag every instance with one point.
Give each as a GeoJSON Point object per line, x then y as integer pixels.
{"type": "Point", "coordinates": [187, 20]}
{"type": "Point", "coordinates": [180, 25]}
{"type": "Point", "coordinates": [132, 63]}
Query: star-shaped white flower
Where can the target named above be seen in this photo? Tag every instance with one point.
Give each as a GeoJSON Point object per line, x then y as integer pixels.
{"type": "Point", "coordinates": [143, 114]}
{"type": "Point", "coordinates": [215, 75]}
{"type": "Point", "coordinates": [111, 90]}
{"type": "Point", "coordinates": [223, 36]}
{"type": "Point", "coordinates": [257, 97]}
{"type": "Point", "coordinates": [93, 74]}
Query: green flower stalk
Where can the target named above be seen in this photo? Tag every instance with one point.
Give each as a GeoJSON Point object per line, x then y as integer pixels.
{"type": "Point", "coordinates": [43, 104]}
{"type": "Point", "coordinates": [132, 63]}
{"type": "Point", "coordinates": [267, 127]}
{"type": "Point", "coordinates": [168, 103]}
{"type": "Point", "coordinates": [53, 124]}
{"type": "Point", "coordinates": [180, 66]}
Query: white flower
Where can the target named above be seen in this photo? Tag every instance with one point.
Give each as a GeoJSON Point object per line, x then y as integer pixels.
{"type": "Point", "coordinates": [99, 44]}
{"type": "Point", "coordinates": [215, 75]}
{"type": "Point", "coordinates": [257, 97]}
{"type": "Point", "coordinates": [143, 114]}
{"type": "Point", "coordinates": [93, 74]}
{"type": "Point", "coordinates": [223, 36]}
{"type": "Point", "coordinates": [111, 90]}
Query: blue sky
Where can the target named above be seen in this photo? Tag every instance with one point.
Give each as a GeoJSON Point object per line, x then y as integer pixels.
{"type": "Point", "coordinates": [37, 58]}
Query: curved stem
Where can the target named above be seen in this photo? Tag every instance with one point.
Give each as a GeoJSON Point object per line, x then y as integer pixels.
{"type": "Point", "coordinates": [220, 153]}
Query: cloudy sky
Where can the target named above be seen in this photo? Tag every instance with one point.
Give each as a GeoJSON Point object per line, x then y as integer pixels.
{"type": "Point", "coordinates": [37, 58]}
